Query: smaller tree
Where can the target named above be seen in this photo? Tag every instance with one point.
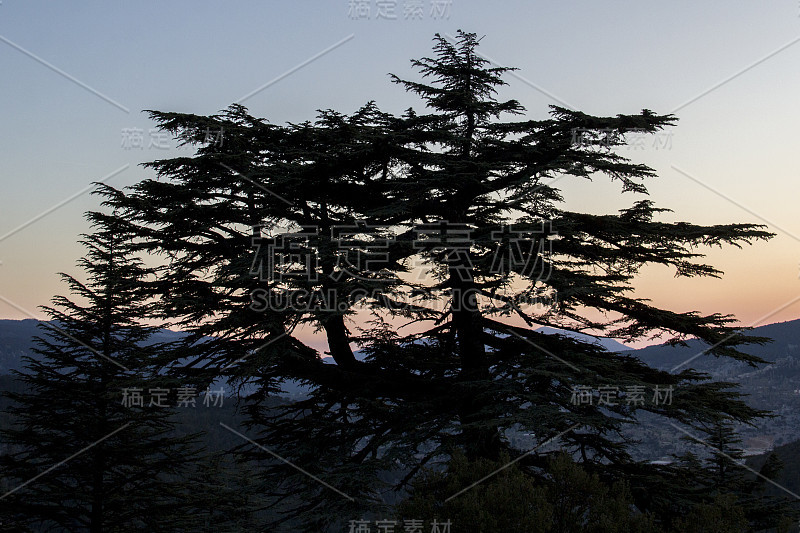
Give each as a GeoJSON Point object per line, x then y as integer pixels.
{"type": "Point", "coordinates": [227, 498]}
{"type": "Point", "coordinates": [725, 495]}
{"type": "Point", "coordinates": [80, 459]}
{"type": "Point", "coordinates": [510, 500]}
{"type": "Point", "coordinates": [721, 515]}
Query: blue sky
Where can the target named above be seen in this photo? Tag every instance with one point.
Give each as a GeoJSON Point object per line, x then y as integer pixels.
{"type": "Point", "coordinates": [729, 71]}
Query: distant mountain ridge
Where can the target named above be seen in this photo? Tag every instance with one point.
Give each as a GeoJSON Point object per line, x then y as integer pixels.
{"type": "Point", "coordinates": [609, 344]}
{"type": "Point", "coordinates": [785, 343]}
{"type": "Point", "coordinates": [16, 340]}
{"type": "Point", "coordinates": [774, 387]}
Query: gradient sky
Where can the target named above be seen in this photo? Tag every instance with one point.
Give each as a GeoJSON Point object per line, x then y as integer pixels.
{"type": "Point", "coordinates": [76, 75]}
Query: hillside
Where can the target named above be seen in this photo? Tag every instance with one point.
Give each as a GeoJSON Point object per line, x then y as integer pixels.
{"type": "Point", "coordinates": [774, 387]}
{"type": "Point", "coordinates": [786, 343]}
{"type": "Point", "coordinates": [16, 340]}
{"type": "Point", "coordinates": [789, 477]}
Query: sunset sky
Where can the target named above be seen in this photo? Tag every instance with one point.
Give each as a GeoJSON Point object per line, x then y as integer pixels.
{"type": "Point", "coordinates": [77, 75]}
